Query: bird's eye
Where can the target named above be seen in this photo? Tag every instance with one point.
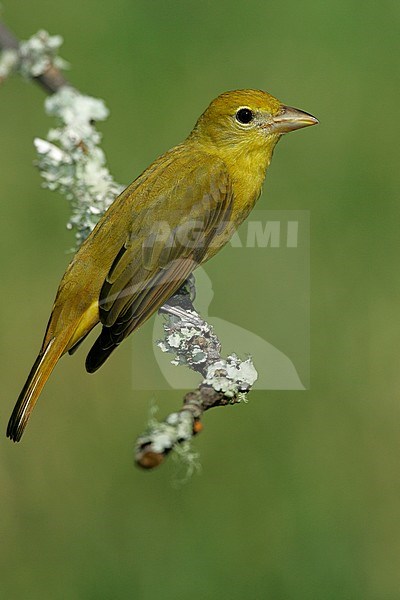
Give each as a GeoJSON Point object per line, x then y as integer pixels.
{"type": "Point", "coordinates": [244, 115]}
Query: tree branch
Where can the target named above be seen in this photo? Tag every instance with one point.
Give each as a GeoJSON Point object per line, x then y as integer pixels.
{"type": "Point", "coordinates": [50, 80]}
{"type": "Point", "coordinates": [225, 381]}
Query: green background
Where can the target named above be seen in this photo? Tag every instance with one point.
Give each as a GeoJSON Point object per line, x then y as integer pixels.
{"type": "Point", "coordinates": [299, 493]}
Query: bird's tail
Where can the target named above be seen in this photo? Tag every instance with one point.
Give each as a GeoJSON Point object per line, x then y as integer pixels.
{"type": "Point", "coordinates": [38, 376]}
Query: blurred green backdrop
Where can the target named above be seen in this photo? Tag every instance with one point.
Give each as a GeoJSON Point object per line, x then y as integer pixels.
{"type": "Point", "coordinates": [299, 494]}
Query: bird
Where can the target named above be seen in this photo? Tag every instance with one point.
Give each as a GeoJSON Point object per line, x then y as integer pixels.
{"type": "Point", "coordinates": [175, 216]}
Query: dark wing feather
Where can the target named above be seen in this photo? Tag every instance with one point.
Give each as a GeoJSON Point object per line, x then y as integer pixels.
{"type": "Point", "coordinates": [160, 254]}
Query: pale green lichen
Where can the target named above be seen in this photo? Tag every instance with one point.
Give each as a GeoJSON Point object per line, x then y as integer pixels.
{"type": "Point", "coordinates": [174, 434]}
{"type": "Point", "coordinates": [71, 161]}
{"type": "Point", "coordinates": [232, 377]}
{"type": "Point", "coordinates": [177, 428]}
{"type": "Point", "coordinates": [39, 53]}
{"type": "Point", "coordinates": [34, 56]}
{"type": "Point", "coordinates": [192, 345]}
{"type": "Point", "coordinates": [188, 462]}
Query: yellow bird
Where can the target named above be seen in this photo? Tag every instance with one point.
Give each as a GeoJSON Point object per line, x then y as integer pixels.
{"type": "Point", "coordinates": [177, 214]}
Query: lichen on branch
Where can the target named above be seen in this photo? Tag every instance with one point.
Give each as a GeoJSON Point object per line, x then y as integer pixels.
{"type": "Point", "coordinates": [39, 53]}
{"type": "Point", "coordinates": [71, 161]}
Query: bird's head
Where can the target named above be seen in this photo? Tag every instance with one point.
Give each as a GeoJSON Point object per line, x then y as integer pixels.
{"type": "Point", "coordinates": [248, 120]}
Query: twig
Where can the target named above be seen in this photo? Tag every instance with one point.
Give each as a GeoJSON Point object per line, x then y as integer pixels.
{"type": "Point", "coordinates": [51, 79]}
{"type": "Point", "coordinates": [225, 381]}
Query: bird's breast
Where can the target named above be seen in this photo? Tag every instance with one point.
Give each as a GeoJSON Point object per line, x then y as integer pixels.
{"type": "Point", "coordinates": [247, 173]}
{"type": "Point", "coordinates": [245, 194]}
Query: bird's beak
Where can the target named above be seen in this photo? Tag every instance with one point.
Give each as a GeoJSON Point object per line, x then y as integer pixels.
{"type": "Point", "coordinates": [290, 119]}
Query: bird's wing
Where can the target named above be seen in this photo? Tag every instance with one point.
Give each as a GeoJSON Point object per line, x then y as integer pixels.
{"type": "Point", "coordinates": [165, 246]}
